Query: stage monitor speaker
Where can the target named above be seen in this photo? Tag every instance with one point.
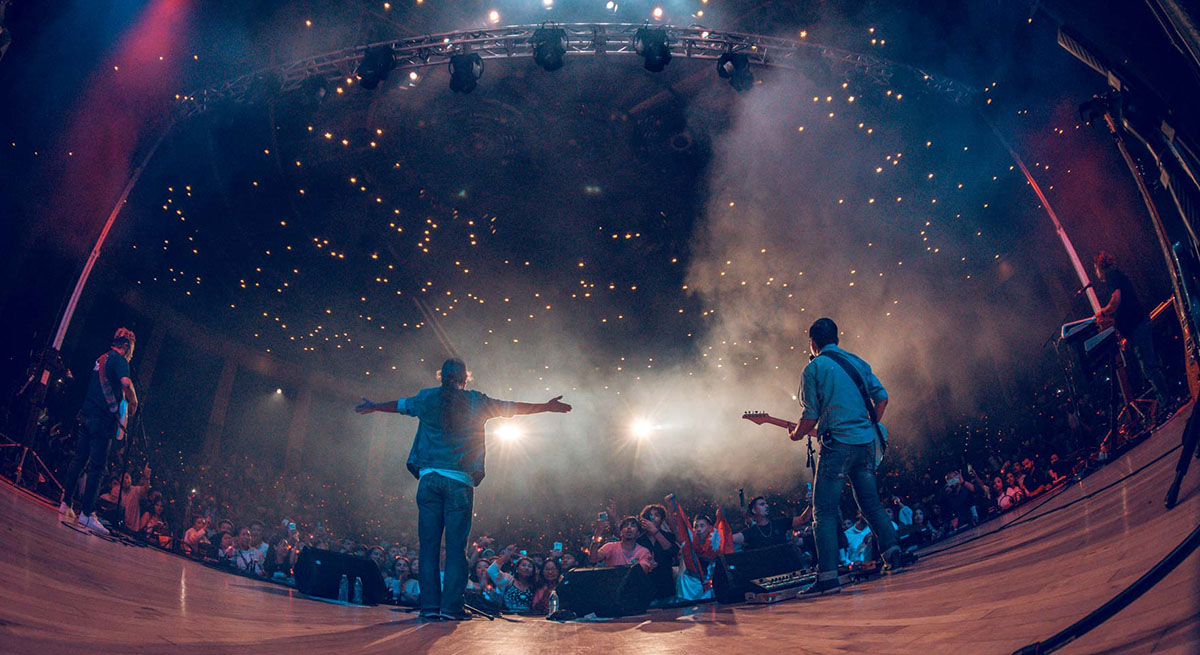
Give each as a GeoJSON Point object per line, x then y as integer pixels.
{"type": "Point", "coordinates": [319, 572]}
{"type": "Point", "coordinates": [734, 571]}
{"type": "Point", "coordinates": [605, 591]}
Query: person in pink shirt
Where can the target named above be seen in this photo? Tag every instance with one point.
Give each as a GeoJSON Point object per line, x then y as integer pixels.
{"type": "Point", "coordinates": [620, 553]}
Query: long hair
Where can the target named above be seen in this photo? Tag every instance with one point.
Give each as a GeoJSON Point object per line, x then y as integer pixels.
{"type": "Point", "coordinates": [541, 572]}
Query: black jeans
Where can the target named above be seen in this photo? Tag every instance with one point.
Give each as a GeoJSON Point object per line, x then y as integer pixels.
{"type": "Point", "coordinates": [91, 449]}
{"type": "Point", "coordinates": [443, 505]}
{"type": "Point", "coordinates": [838, 463]}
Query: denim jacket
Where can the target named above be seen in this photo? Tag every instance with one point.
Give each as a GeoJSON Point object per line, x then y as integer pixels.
{"type": "Point", "coordinates": [459, 445]}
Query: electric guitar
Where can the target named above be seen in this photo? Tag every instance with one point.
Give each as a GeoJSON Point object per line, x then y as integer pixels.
{"type": "Point", "coordinates": [758, 418]}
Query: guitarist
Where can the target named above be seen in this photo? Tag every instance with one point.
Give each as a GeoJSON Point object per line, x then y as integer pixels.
{"type": "Point", "coordinates": [840, 395]}
{"type": "Point", "coordinates": [100, 419]}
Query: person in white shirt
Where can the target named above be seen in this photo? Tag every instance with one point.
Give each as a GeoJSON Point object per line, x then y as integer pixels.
{"type": "Point", "coordinates": [246, 557]}
{"type": "Point", "coordinates": [196, 536]}
{"type": "Point", "coordinates": [859, 535]}
{"type": "Point", "coordinates": [904, 513]}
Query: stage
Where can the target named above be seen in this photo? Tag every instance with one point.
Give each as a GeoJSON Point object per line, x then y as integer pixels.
{"type": "Point", "coordinates": [1009, 582]}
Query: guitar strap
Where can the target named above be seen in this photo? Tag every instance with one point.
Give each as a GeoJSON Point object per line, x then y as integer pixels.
{"type": "Point", "coordinates": [862, 390]}
{"type": "Point", "coordinates": [105, 385]}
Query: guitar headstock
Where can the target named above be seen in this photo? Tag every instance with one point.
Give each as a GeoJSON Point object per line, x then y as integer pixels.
{"type": "Point", "coordinates": [757, 418]}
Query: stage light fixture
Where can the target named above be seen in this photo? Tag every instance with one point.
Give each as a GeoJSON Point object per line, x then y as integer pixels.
{"type": "Point", "coordinates": [314, 89]}
{"type": "Point", "coordinates": [735, 67]}
{"type": "Point", "coordinates": [375, 66]}
{"type": "Point", "coordinates": [652, 45]}
{"type": "Point", "coordinates": [549, 46]}
{"type": "Point", "coordinates": [465, 71]}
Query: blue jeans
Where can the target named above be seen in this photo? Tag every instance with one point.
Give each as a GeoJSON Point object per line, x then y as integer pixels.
{"type": "Point", "coordinates": [838, 463]}
{"type": "Point", "coordinates": [91, 448]}
{"type": "Point", "coordinates": [443, 505]}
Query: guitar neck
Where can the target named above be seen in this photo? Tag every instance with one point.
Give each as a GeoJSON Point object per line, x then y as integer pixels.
{"type": "Point", "coordinates": [772, 420]}
{"type": "Point", "coordinates": [788, 425]}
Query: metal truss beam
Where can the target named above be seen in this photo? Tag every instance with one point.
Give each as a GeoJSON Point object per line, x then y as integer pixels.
{"type": "Point", "coordinates": [595, 39]}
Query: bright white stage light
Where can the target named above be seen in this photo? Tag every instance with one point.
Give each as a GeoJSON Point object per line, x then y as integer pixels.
{"type": "Point", "coordinates": [547, 3]}
{"type": "Point", "coordinates": [494, 16]}
{"type": "Point", "coordinates": [658, 13]}
{"type": "Point", "coordinates": [641, 428]}
{"type": "Point", "coordinates": [279, 391]}
{"type": "Point", "coordinates": [508, 432]}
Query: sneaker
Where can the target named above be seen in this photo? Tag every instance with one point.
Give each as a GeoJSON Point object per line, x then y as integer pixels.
{"type": "Point", "coordinates": [893, 560]}
{"type": "Point", "coordinates": [92, 523]}
{"type": "Point", "coordinates": [455, 616]}
{"type": "Point", "coordinates": [822, 588]}
{"type": "Point", "coordinates": [430, 615]}
{"type": "Point", "coordinates": [66, 511]}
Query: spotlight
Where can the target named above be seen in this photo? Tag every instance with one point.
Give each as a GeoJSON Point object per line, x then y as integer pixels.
{"type": "Point", "coordinates": [465, 71]}
{"type": "Point", "coordinates": [652, 45]}
{"type": "Point", "coordinates": [375, 66]}
{"type": "Point", "coordinates": [494, 16]}
{"type": "Point", "coordinates": [549, 46]}
{"type": "Point", "coordinates": [508, 432]}
{"type": "Point", "coordinates": [657, 13]}
{"type": "Point", "coordinates": [735, 67]}
{"type": "Point", "coordinates": [641, 428]}
{"type": "Point", "coordinates": [278, 392]}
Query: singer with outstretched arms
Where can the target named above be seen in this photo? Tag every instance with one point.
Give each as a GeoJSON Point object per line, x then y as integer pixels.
{"type": "Point", "coordinates": [447, 458]}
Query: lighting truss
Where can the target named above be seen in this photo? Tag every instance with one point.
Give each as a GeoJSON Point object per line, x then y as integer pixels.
{"type": "Point", "coordinates": [515, 42]}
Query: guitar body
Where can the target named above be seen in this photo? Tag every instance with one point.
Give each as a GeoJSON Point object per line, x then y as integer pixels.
{"type": "Point", "coordinates": [122, 418]}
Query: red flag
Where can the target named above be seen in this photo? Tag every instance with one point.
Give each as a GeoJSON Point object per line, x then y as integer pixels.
{"type": "Point", "coordinates": [683, 529]}
{"type": "Point", "coordinates": [722, 534]}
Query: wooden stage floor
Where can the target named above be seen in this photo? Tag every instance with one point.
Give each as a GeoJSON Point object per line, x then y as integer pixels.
{"type": "Point", "coordinates": [66, 592]}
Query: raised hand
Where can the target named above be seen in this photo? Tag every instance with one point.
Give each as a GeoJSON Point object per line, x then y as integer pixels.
{"type": "Point", "coordinates": [365, 407]}
{"type": "Point", "coordinates": [556, 405]}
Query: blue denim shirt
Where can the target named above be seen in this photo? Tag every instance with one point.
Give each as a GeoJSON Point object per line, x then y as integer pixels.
{"type": "Point", "coordinates": [457, 447]}
{"type": "Point", "coordinates": [828, 395]}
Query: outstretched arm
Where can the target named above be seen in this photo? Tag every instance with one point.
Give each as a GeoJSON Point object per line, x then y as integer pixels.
{"type": "Point", "coordinates": [366, 407]}
{"type": "Point", "coordinates": [554, 405]}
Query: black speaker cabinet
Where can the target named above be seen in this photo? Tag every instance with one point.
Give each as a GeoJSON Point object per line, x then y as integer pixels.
{"type": "Point", "coordinates": [734, 571]}
{"type": "Point", "coordinates": [606, 591]}
{"type": "Point", "coordinates": [319, 572]}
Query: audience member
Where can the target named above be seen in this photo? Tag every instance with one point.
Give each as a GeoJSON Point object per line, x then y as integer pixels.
{"type": "Point", "coordinates": [657, 538]}
{"type": "Point", "coordinates": [620, 553]}
{"type": "Point", "coordinates": [515, 590]}
{"type": "Point", "coordinates": [246, 558]}
{"type": "Point", "coordinates": [860, 548]}
{"type": "Point", "coordinates": [548, 578]}
{"type": "Point", "coordinates": [195, 540]}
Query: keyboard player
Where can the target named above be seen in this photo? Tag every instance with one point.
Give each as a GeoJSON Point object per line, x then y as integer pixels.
{"type": "Point", "coordinates": [1132, 321]}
